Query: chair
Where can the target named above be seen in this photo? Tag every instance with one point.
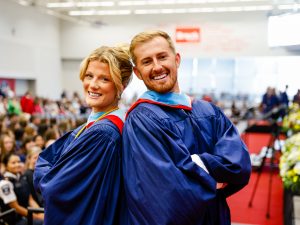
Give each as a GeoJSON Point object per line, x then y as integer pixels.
{"type": "Point", "coordinates": [32, 210]}
{"type": "Point", "coordinates": [8, 217]}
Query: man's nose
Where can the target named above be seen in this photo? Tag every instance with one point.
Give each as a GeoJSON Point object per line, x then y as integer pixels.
{"type": "Point", "coordinates": [157, 65]}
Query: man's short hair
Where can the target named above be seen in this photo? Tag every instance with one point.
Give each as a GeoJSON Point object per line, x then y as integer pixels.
{"type": "Point", "coordinates": [146, 36]}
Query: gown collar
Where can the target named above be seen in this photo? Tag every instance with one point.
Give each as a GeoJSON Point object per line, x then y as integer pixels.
{"type": "Point", "coordinates": [94, 116]}
{"type": "Point", "coordinates": [170, 99]}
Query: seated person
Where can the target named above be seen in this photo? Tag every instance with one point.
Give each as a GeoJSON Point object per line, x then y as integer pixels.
{"type": "Point", "coordinates": [31, 158]}
{"type": "Point", "coordinates": [19, 196]}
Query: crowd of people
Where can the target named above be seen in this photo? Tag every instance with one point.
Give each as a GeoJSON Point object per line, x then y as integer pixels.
{"type": "Point", "coordinates": [28, 125]}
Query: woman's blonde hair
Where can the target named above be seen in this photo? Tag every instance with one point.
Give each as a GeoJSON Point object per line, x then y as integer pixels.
{"type": "Point", "coordinates": [118, 60]}
{"type": "Point", "coordinates": [30, 153]}
{"type": "Point", "coordinates": [146, 36]}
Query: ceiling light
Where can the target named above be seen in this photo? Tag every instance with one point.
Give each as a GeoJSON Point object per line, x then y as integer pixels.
{"type": "Point", "coordinates": [99, 12]}
{"type": "Point", "coordinates": [79, 4]}
{"type": "Point", "coordinates": [178, 2]}
{"type": "Point", "coordinates": [292, 6]}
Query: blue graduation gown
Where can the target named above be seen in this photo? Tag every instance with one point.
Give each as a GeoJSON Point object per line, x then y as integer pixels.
{"type": "Point", "coordinates": [80, 178]}
{"type": "Point", "coordinates": [162, 184]}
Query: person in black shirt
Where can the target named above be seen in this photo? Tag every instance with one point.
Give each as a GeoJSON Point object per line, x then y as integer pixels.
{"type": "Point", "coordinates": [21, 190]}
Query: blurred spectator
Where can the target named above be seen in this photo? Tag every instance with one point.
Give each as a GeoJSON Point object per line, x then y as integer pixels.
{"type": "Point", "coordinates": [51, 136]}
{"type": "Point", "coordinates": [20, 194]}
{"type": "Point", "coordinates": [13, 106]}
{"type": "Point", "coordinates": [29, 131]}
{"type": "Point", "coordinates": [27, 144]}
{"type": "Point", "coordinates": [296, 98]}
{"type": "Point", "coordinates": [39, 141]}
{"type": "Point", "coordinates": [27, 104]}
{"type": "Point", "coordinates": [35, 121]}
{"type": "Point", "coordinates": [284, 101]}
{"type": "Point", "coordinates": [38, 106]}
{"type": "Point", "coordinates": [283, 97]}
{"type": "Point", "coordinates": [31, 158]}
{"type": "Point", "coordinates": [7, 143]}
{"type": "Point", "coordinates": [269, 101]}
{"type": "Point", "coordinates": [3, 105]}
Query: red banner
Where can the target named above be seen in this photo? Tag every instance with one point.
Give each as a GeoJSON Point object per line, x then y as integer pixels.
{"type": "Point", "coordinates": [188, 35]}
{"type": "Point", "coordinates": [7, 86]}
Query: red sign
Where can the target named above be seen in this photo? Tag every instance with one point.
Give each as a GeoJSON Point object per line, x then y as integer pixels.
{"type": "Point", "coordinates": [6, 83]}
{"type": "Point", "coordinates": [188, 35]}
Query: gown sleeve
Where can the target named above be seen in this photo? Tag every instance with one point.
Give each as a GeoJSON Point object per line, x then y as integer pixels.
{"type": "Point", "coordinates": [229, 160]}
{"type": "Point", "coordinates": [162, 184]}
{"type": "Point", "coordinates": [83, 186]}
{"type": "Point", "coordinates": [48, 157]}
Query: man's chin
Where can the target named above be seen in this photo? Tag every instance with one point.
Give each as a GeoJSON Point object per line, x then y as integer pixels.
{"type": "Point", "coordinates": [161, 90]}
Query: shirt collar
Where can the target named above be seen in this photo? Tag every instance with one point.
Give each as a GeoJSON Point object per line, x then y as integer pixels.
{"type": "Point", "coordinates": [11, 175]}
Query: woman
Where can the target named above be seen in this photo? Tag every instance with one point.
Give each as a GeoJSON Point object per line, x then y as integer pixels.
{"type": "Point", "coordinates": [39, 141]}
{"type": "Point", "coordinates": [7, 145]}
{"type": "Point", "coordinates": [79, 175]}
{"type": "Point", "coordinates": [31, 158]}
{"type": "Point", "coordinates": [20, 194]}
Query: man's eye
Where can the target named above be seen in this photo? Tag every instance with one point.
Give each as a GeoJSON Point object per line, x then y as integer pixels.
{"type": "Point", "coordinates": [146, 62]}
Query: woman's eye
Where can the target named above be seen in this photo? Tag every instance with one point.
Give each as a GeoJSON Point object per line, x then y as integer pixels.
{"type": "Point", "coordinates": [89, 76]}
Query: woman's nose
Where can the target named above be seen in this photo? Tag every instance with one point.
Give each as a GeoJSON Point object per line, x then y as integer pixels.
{"type": "Point", "coordinates": [94, 84]}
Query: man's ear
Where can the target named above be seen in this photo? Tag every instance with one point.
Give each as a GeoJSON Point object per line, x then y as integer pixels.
{"type": "Point", "coordinates": [178, 59]}
{"type": "Point", "coordinates": [137, 73]}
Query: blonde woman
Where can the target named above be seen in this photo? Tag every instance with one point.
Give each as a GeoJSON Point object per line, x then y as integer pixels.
{"type": "Point", "coordinates": [31, 158]}
{"type": "Point", "coordinates": [79, 175]}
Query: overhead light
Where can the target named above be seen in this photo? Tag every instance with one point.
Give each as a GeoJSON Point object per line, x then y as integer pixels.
{"type": "Point", "coordinates": [79, 4]}
{"type": "Point", "coordinates": [291, 6]}
{"type": "Point", "coordinates": [24, 2]}
{"type": "Point", "coordinates": [201, 10]}
{"type": "Point", "coordinates": [170, 11]}
{"type": "Point", "coordinates": [147, 11]}
{"type": "Point", "coordinates": [95, 4]}
{"type": "Point", "coordinates": [178, 2]}
{"type": "Point", "coordinates": [264, 7]}
{"type": "Point", "coordinates": [250, 8]}
{"type": "Point", "coordinates": [99, 12]}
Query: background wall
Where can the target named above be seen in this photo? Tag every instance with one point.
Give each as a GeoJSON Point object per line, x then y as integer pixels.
{"type": "Point", "coordinates": [42, 48]}
{"type": "Point", "coordinates": [223, 37]}
{"type": "Point", "coordinates": [30, 48]}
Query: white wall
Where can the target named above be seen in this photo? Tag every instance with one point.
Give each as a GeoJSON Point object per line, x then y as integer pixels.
{"type": "Point", "coordinates": [223, 35]}
{"type": "Point", "coordinates": [40, 47]}
{"type": "Point", "coordinates": [30, 47]}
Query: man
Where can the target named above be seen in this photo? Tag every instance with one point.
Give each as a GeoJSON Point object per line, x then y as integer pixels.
{"type": "Point", "coordinates": [181, 159]}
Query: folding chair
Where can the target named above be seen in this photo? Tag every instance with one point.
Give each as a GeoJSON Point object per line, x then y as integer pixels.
{"type": "Point", "coordinates": [8, 217]}
{"type": "Point", "coordinates": [32, 210]}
